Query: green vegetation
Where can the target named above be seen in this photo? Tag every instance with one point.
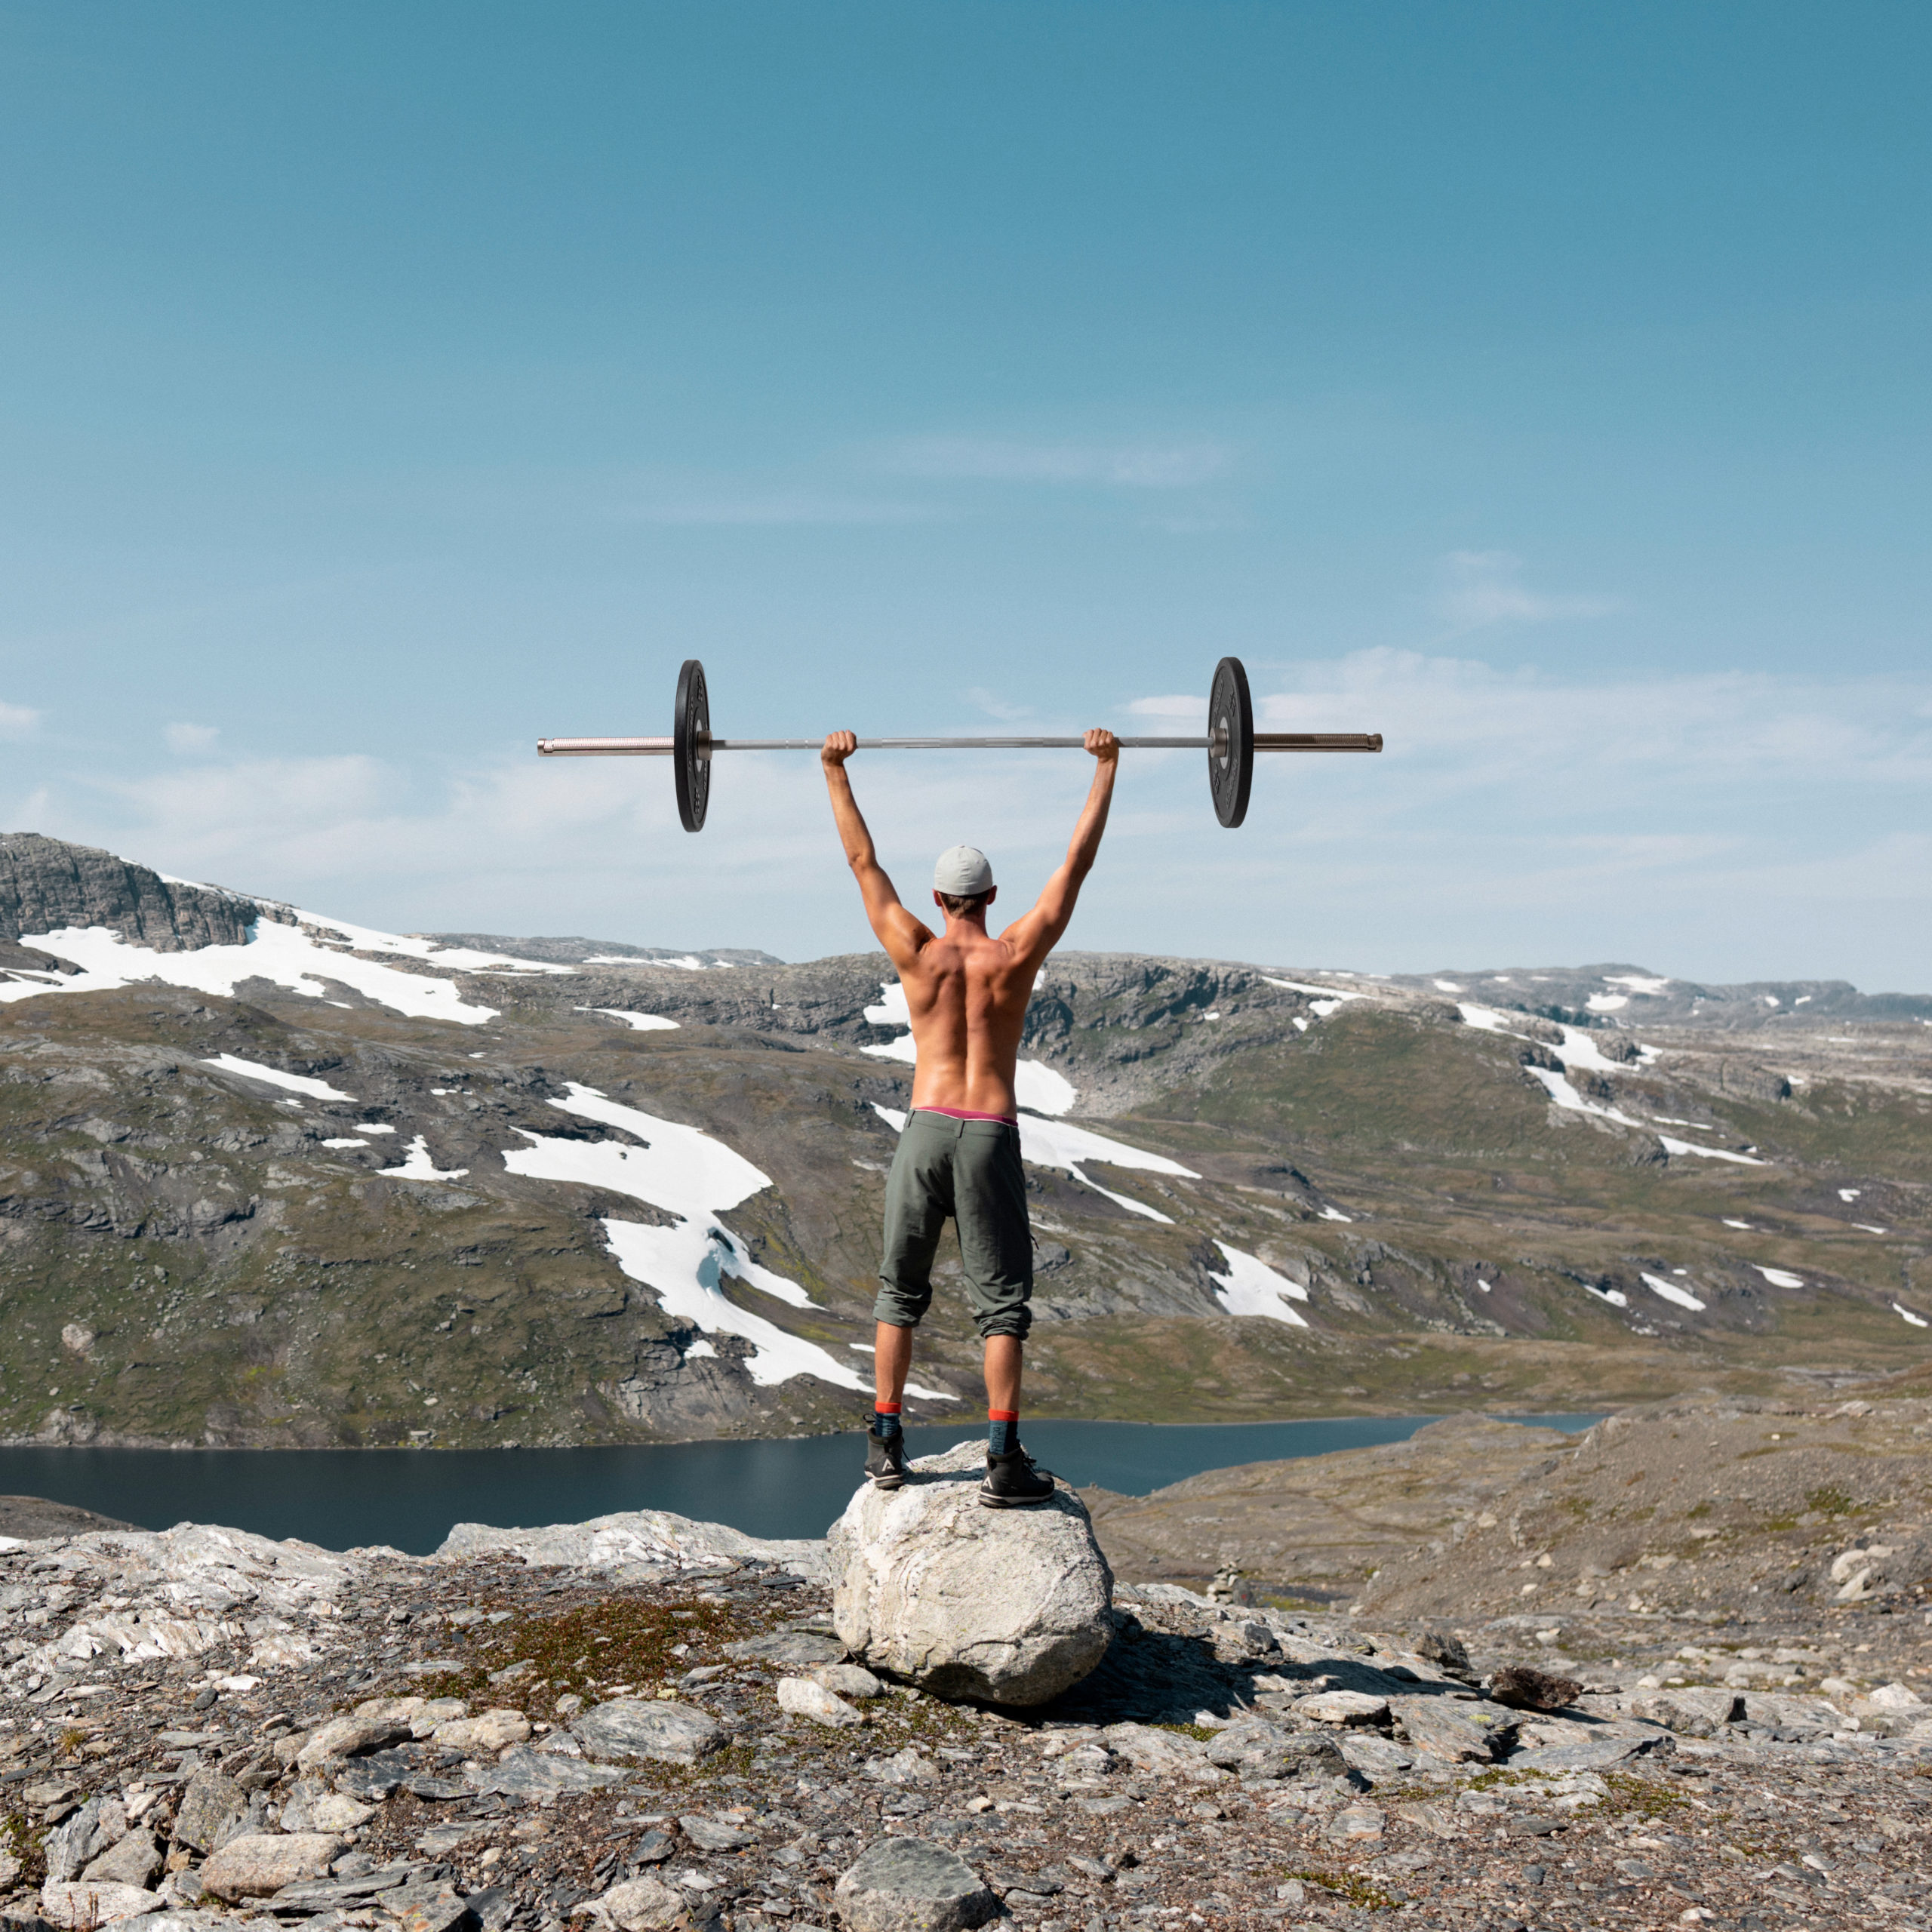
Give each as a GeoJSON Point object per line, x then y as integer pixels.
{"type": "Point", "coordinates": [1348, 1885]}
{"type": "Point", "coordinates": [1830, 1501]}
{"type": "Point", "coordinates": [1631, 1793]}
{"type": "Point", "coordinates": [620, 1640]}
{"type": "Point", "coordinates": [18, 1837]}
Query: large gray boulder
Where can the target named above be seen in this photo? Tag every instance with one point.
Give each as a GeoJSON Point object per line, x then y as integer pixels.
{"type": "Point", "coordinates": [1006, 1606]}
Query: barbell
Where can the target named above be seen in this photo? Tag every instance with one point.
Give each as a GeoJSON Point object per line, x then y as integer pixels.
{"type": "Point", "coordinates": [1231, 742]}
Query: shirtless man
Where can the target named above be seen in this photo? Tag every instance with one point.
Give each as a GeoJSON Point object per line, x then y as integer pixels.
{"type": "Point", "coordinates": [966, 993]}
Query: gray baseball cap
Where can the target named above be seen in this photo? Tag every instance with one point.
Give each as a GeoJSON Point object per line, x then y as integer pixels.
{"type": "Point", "coordinates": [962, 872]}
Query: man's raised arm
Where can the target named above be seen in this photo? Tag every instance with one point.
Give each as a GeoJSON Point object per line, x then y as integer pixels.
{"type": "Point", "coordinates": [1035, 933]}
{"type": "Point", "coordinates": [897, 930]}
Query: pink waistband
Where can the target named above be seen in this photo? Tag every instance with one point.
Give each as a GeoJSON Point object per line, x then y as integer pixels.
{"type": "Point", "coordinates": [964, 1113]}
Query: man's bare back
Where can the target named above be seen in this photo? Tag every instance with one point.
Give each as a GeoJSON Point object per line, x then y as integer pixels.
{"type": "Point", "coordinates": [958, 1157]}
{"type": "Point", "coordinates": [965, 991]}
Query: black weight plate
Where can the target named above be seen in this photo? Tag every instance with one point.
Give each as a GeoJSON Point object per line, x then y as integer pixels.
{"type": "Point", "coordinates": [690, 730]}
{"type": "Point", "coordinates": [1231, 764]}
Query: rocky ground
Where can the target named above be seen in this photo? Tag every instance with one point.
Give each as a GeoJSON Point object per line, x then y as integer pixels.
{"type": "Point", "coordinates": [641, 1722]}
{"type": "Point", "coordinates": [1693, 1507]}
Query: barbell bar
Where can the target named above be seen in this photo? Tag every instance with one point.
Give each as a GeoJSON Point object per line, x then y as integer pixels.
{"type": "Point", "coordinates": [1231, 742]}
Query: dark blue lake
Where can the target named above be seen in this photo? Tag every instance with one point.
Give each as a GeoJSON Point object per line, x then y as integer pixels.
{"type": "Point", "coordinates": [410, 1498]}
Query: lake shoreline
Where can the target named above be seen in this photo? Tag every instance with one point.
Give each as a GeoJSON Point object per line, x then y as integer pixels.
{"type": "Point", "coordinates": [763, 1486]}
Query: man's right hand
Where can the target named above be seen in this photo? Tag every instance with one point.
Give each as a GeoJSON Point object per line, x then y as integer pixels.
{"type": "Point", "coordinates": [839, 745]}
{"type": "Point", "coordinates": [1103, 745]}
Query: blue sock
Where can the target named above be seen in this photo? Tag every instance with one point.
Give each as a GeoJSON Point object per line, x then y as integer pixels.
{"type": "Point", "coordinates": [1002, 1431]}
{"type": "Point", "coordinates": [885, 1420]}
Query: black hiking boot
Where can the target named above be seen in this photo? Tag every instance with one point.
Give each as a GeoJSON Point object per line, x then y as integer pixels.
{"type": "Point", "coordinates": [1013, 1482]}
{"type": "Point", "coordinates": [885, 1460]}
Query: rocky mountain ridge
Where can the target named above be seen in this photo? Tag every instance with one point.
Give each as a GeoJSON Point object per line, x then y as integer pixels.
{"type": "Point", "coordinates": [323, 1185]}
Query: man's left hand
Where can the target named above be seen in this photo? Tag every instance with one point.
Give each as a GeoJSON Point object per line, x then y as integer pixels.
{"type": "Point", "coordinates": [839, 745]}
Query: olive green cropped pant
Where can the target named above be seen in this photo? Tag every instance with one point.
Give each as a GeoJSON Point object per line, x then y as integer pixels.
{"type": "Point", "coordinates": [967, 1170]}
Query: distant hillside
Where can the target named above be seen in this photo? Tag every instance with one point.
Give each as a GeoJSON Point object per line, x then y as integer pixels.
{"type": "Point", "coordinates": [605, 952]}
{"type": "Point", "coordinates": [1630, 996]}
{"type": "Point", "coordinates": [269, 1178]}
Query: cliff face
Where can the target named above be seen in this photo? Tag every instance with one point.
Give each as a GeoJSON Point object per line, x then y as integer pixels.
{"type": "Point", "coordinates": [47, 884]}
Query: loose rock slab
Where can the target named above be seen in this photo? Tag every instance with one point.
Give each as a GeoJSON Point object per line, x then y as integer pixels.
{"type": "Point", "coordinates": [913, 1885]}
{"type": "Point", "coordinates": [253, 1866]}
{"type": "Point", "coordinates": [800, 1697]}
{"type": "Point", "coordinates": [523, 1773]}
{"type": "Point", "coordinates": [75, 1903]}
{"type": "Point", "coordinates": [635, 1728]}
{"type": "Point", "coordinates": [1006, 1605]}
{"type": "Point", "coordinates": [642, 1905]}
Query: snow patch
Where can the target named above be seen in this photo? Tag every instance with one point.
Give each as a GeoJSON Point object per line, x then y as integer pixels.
{"type": "Point", "coordinates": [1780, 1278]}
{"type": "Point", "coordinates": [1445, 985]}
{"type": "Point", "coordinates": [1745, 1224]}
{"type": "Point", "coordinates": [1671, 1147]}
{"type": "Point", "coordinates": [1607, 1002]}
{"type": "Point", "coordinates": [1566, 1097]}
{"type": "Point", "coordinates": [298, 958]}
{"type": "Point", "coordinates": [1578, 1048]}
{"type": "Point", "coordinates": [638, 1023]}
{"type": "Point", "coordinates": [1850, 1193]}
{"type": "Point", "coordinates": [1917, 1320]}
{"type": "Point", "coordinates": [1638, 982]}
{"type": "Point", "coordinates": [351, 1142]}
{"type": "Point", "coordinates": [1335, 1214]}
{"type": "Point", "coordinates": [1672, 1292]}
{"type": "Point", "coordinates": [891, 1010]}
{"type": "Point", "coordinates": [688, 963]}
{"type": "Point", "coordinates": [273, 1076]}
{"type": "Point", "coordinates": [416, 1165]}
{"type": "Point", "coordinates": [684, 1172]}
{"type": "Point", "coordinates": [1338, 994]}
{"type": "Point", "coordinates": [1615, 1296]}
{"type": "Point", "coordinates": [1253, 1288]}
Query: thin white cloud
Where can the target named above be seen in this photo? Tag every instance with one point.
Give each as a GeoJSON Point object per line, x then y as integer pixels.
{"type": "Point", "coordinates": [1482, 587]}
{"type": "Point", "coordinates": [185, 740]}
{"type": "Point", "coordinates": [18, 720]}
{"type": "Point", "coordinates": [993, 460]}
{"type": "Point", "coordinates": [994, 706]}
{"type": "Point", "coordinates": [804, 508]}
{"type": "Point", "coordinates": [1194, 709]}
{"type": "Point", "coordinates": [1687, 734]}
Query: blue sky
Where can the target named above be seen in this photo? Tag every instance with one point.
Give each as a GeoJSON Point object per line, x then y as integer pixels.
{"type": "Point", "coordinates": [382, 388]}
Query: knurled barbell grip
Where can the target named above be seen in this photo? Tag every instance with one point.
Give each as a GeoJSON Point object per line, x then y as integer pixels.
{"type": "Point", "coordinates": [1264, 741]}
